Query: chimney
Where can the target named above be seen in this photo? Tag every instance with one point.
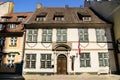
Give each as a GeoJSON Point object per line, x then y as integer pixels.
{"type": "Point", "coordinates": [39, 5]}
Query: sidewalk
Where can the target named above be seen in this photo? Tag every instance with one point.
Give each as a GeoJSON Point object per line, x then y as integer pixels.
{"type": "Point", "coordinates": [72, 77]}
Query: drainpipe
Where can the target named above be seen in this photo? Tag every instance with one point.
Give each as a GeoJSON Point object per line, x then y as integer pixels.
{"type": "Point", "coordinates": [24, 39]}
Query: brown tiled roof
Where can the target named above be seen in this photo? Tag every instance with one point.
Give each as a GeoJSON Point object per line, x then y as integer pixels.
{"type": "Point", "coordinates": [70, 17]}
{"type": "Point", "coordinates": [13, 18]}
{"type": "Point", "coordinates": [1, 3]}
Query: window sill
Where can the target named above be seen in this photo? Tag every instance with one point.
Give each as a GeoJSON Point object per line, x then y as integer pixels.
{"type": "Point", "coordinates": [61, 42]}
{"type": "Point", "coordinates": [45, 42]}
{"type": "Point", "coordinates": [12, 45]}
{"type": "Point", "coordinates": [30, 42]}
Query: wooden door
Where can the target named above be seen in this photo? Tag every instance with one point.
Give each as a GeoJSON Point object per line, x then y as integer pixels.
{"type": "Point", "coordinates": [61, 64]}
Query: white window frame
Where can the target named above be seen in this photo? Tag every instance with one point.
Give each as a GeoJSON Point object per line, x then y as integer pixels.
{"type": "Point", "coordinates": [46, 60]}
{"type": "Point", "coordinates": [4, 19]}
{"type": "Point", "coordinates": [13, 41]}
{"type": "Point", "coordinates": [100, 35]}
{"type": "Point", "coordinates": [85, 59]}
{"type": "Point", "coordinates": [40, 18]}
{"type": "Point", "coordinates": [59, 18]}
{"type": "Point", "coordinates": [32, 35]}
{"type": "Point", "coordinates": [46, 35]}
{"type": "Point", "coordinates": [10, 60]}
{"type": "Point", "coordinates": [20, 19]}
{"type": "Point", "coordinates": [30, 60]}
{"type": "Point", "coordinates": [12, 26]}
{"type": "Point", "coordinates": [83, 35]}
{"type": "Point", "coordinates": [86, 18]}
{"type": "Point", "coordinates": [105, 57]}
{"type": "Point", "coordinates": [61, 34]}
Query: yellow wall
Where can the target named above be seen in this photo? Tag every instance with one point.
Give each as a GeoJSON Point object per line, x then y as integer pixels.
{"type": "Point", "coordinates": [18, 57]}
{"type": "Point", "coordinates": [117, 30]}
{"type": "Point", "coordinates": [117, 24]}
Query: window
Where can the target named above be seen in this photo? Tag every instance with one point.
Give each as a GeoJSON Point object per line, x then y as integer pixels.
{"type": "Point", "coordinates": [1, 26]}
{"type": "Point", "coordinates": [86, 18]}
{"type": "Point", "coordinates": [20, 18]}
{"type": "Point", "coordinates": [85, 60]}
{"type": "Point", "coordinates": [83, 35]}
{"type": "Point", "coordinates": [11, 60]}
{"type": "Point", "coordinates": [100, 34]}
{"type": "Point", "coordinates": [2, 41]}
{"type": "Point", "coordinates": [13, 41]}
{"type": "Point", "coordinates": [61, 35]}
{"type": "Point", "coordinates": [47, 35]}
{"type": "Point", "coordinates": [12, 25]}
{"type": "Point", "coordinates": [4, 19]}
{"type": "Point", "coordinates": [58, 18]}
{"type": "Point", "coordinates": [32, 35]}
{"type": "Point", "coordinates": [0, 61]}
{"type": "Point", "coordinates": [45, 60]}
{"type": "Point", "coordinates": [30, 61]}
{"type": "Point", "coordinates": [40, 18]}
{"type": "Point", "coordinates": [103, 59]}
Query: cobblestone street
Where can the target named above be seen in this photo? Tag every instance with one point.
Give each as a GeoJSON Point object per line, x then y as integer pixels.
{"type": "Point", "coordinates": [72, 77]}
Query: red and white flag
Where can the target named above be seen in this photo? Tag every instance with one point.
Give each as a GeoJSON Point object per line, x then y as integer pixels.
{"type": "Point", "coordinates": [79, 49]}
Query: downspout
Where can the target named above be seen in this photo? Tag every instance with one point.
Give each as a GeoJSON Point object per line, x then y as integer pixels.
{"type": "Point", "coordinates": [24, 39]}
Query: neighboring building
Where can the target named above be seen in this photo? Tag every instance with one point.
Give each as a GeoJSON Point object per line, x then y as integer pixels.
{"type": "Point", "coordinates": [109, 10]}
{"type": "Point", "coordinates": [52, 36]}
{"type": "Point", "coordinates": [6, 7]}
{"type": "Point", "coordinates": [12, 42]}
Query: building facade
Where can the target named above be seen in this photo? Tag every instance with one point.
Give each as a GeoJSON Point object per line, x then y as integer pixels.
{"type": "Point", "coordinates": [53, 36]}
{"type": "Point", "coordinates": [109, 10]}
{"type": "Point", "coordinates": [12, 42]}
{"type": "Point", "coordinates": [6, 7]}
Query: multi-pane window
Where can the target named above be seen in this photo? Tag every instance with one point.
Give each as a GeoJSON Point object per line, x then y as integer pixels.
{"type": "Point", "coordinates": [2, 41]}
{"type": "Point", "coordinates": [32, 35]}
{"type": "Point", "coordinates": [13, 41]}
{"type": "Point", "coordinates": [40, 18]}
{"type": "Point", "coordinates": [30, 61]}
{"type": "Point", "coordinates": [45, 60]}
{"type": "Point", "coordinates": [11, 60]}
{"type": "Point", "coordinates": [85, 60]}
{"type": "Point", "coordinates": [12, 25]}
{"type": "Point", "coordinates": [61, 35]}
{"type": "Point", "coordinates": [47, 35]}
{"type": "Point", "coordinates": [100, 34]}
{"type": "Point", "coordinates": [87, 18]}
{"type": "Point", "coordinates": [4, 19]}
{"type": "Point", "coordinates": [20, 18]}
{"type": "Point", "coordinates": [103, 59]}
{"type": "Point", "coordinates": [1, 26]}
{"type": "Point", "coordinates": [83, 35]}
{"type": "Point", "coordinates": [59, 18]}
{"type": "Point", "coordinates": [0, 61]}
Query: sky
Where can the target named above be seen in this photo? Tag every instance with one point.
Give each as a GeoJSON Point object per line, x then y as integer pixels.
{"type": "Point", "coordinates": [30, 5]}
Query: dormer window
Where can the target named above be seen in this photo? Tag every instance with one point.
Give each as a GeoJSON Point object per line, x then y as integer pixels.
{"type": "Point", "coordinates": [41, 18]}
{"type": "Point", "coordinates": [59, 18]}
{"type": "Point", "coordinates": [86, 18]}
{"type": "Point", "coordinates": [4, 19]}
{"type": "Point", "coordinates": [12, 25]}
{"type": "Point", "coordinates": [20, 19]}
